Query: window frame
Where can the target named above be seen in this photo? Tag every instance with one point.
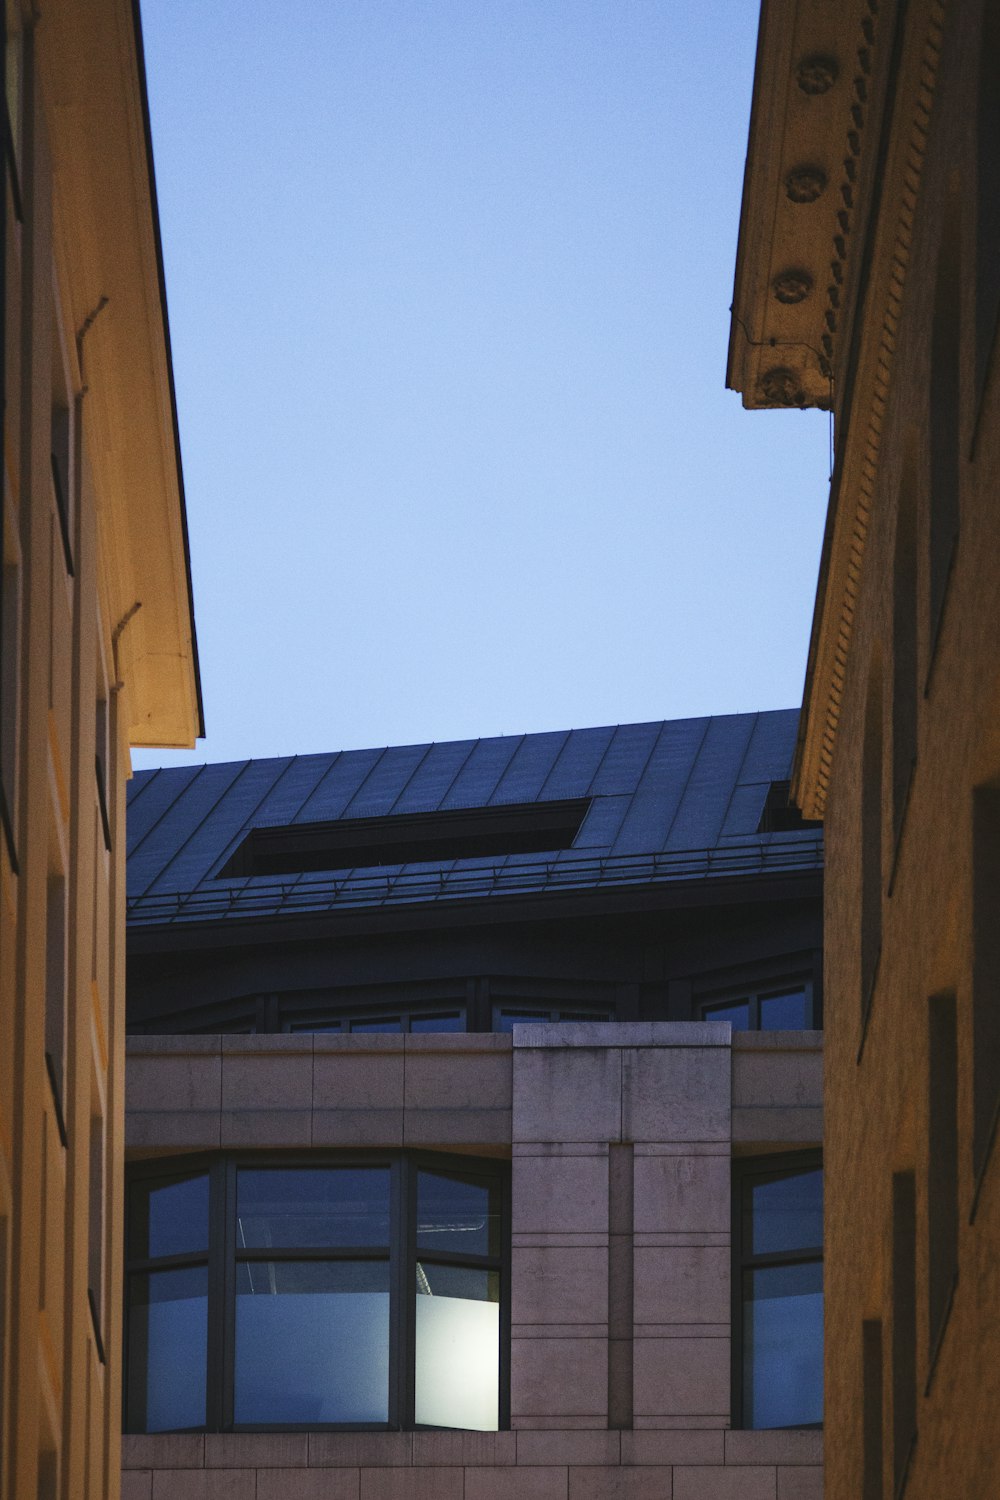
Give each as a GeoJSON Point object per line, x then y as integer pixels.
{"type": "Point", "coordinates": [221, 1260]}
{"type": "Point", "coordinates": [523, 1013]}
{"type": "Point", "coordinates": [769, 1168]}
{"type": "Point", "coordinates": [760, 990]}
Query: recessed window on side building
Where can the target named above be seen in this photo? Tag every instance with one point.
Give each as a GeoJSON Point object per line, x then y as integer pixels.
{"type": "Point", "coordinates": [776, 1008]}
{"type": "Point", "coordinates": [778, 1277]}
{"type": "Point", "coordinates": [414, 1021]}
{"type": "Point", "coordinates": [361, 1293]}
{"type": "Point", "coordinates": [505, 1017]}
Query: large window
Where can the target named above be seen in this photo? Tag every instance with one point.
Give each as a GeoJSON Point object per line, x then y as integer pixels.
{"type": "Point", "coordinates": [778, 1289]}
{"type": "Point", "coordinates": [365, 1292]}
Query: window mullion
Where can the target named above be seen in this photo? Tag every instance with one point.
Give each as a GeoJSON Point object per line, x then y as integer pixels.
{"type": "Point", "coordinates": [399, 1233]}
{"type": "Point", "coordinates": [224, 1284]}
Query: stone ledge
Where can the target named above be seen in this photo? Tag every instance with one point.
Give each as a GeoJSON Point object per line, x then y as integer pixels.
{"type": "Point", "coordinates": [608, 1034]}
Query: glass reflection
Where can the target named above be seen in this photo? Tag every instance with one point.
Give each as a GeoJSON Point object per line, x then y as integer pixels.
{"type": "Point", "coordinates": [785, 1213]}
{"type": "Point", "coordinates": [456, 1214]}
{"type": "Point", "coordinates": [454, 1021]}
{"type": "Point", "coordinates": [312, 1206]}
{"type": "Point", "coordinates": [167, 1349]}
{"type": "Point", "coordinates": [736, 1012]}
{"type": "Point", "coordinates": [783, 1346]}
{"type": "Point", "coordinates": [168, 1216]}
{"type": "Point", "coordinates": [457, 1347]}
{"type": "Point", "coordinates": [507, 1019]}
{"type": "Point", "coordinates": [312, 1342]}
{"type": "Point", "coordinates": [784, 1012]}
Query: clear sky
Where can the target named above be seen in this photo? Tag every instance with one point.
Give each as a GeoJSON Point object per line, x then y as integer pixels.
{"type": "Point", "coordinates": [449, 285]}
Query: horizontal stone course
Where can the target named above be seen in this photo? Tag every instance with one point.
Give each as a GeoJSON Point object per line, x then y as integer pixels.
{"type": "Point", "coordinates": [648, 1483]}
{"type": "Point", "coordinates": [137, 1484]}
{"type": "Point", "coordinates": [780, 1445]}
{"type": "Point", "coordinates": [708, 1483]}
{"type": "Point", "coordinates": [413, 1484]}
{"type": "Point", "coordinates": [561, 1447]}
{"type": "Point", "coordinates": [516, 1484]}
{"type": "Point", "coordinates": [464, 1448]}
{"type": "Point", "coordinates": [163, 1450]}
{"type": "Point", "coordinates": [203, 1484]}
{"type": "Point", "coordinates": [800, 1483]}
{"type": "Point", "coordinates": [307, 1484]}
{"type": "Point", "coordinates": [242, 1450]}
{"type": "Point", "coordinates": [680, 1446]}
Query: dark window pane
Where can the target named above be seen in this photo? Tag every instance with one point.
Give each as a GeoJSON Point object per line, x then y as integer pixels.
{"type": "Point", "coordinates": [457, 1281]}
{"type": "Point", "coordinates": [388, 1023]}
{"type": "Point", "coordinates": [584, 1015]}
{"type": "Point", "coordinates": [783, 1345]}
{"type": "Point", "coordinates": [456, 1214]}
{"type": "Point", "coordinates": [736, 1012]}
{"type": "Point", "coordinates": [506, 1020]}
{"type": "Point", "coordinates": [453, 1021]}
{"type": "Point", "coordinates": [316, 1026]}
{"type": "Point", "coordinates": [312, 1342]}
{"type": "Point", "coordinates": [784, 1012]}
{"type": "Point", "coordinates": [167, 1349]}
{"type": "Point", "coordinates": [786, 1213]}
{"type": "Point", "coordinates": [168, 1216]}
{"type": "Point", "coordinates": [457, 1347]}
{"type": "Point", "coordinates": [312, 1206]}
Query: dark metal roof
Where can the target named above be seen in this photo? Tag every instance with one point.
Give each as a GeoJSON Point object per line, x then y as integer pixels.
{"type": "Point", "coordinates": [676, 799]}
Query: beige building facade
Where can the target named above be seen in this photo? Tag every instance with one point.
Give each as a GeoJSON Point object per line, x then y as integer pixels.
{"type": "Point", "coordinates": [98, 654]}
{"type": "Point", "coordinates": [620, 1146]}
{"type": "Point", "coordinates": [868, 280]}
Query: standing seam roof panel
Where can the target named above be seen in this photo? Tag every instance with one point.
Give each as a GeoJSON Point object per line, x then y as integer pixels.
{"type": "Point", "coordinates": [630, 748]}
{"type": "Point", "coordinates": [338, 786]}
{"type": "Point", "coordinates": [291, 790]}
{"type": "Point", "coordinates": [194, 806]}
{"type": "Point", "coordinates": [154, 792]}
{"type": "Point", "coordinates": [646, 827]}
{"type": "Point", "coordinates": [769, 754]}
{"type": "Point", "coordinates": [381, 787]}
{"type": "Point", "coordinates": [233, 815]}
{"type": "Point", "coordinates": [479, 777]}
{"type": "Point", "coordinates": [706, 796]}
{"type": "Point", "coordinates": [577, 764]}
{"type": "Point", "coordinates": [434, 777]}
{"type": "Point", "coordinates": [532, 763]}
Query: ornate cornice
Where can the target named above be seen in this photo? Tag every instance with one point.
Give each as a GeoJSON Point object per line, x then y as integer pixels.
{"type": "Point", "coordinates": [877, 313]}
{"type": "Point", "coordinates": [829, 200]}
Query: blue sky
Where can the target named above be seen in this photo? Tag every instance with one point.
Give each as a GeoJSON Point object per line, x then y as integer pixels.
{"type": "Point", "coordinates": [449, 285]}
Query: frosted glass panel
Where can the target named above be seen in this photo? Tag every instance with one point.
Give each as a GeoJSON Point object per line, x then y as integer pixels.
{"type": "Point", "coordinates": [168, 1342]}
{"type": "Point", "coordinates": [458, 1351]}
{"type": "Point", "coordinates": [312, 1342]}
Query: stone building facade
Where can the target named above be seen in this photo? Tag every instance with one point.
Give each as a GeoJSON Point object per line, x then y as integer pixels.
{"type": "Point", "coordinates": [873, 175]}
{"type": "Point", "coordinates": [487, 1164]}
{"type": "Point", "coordinates": [621, 1141]}
{"type": "Point", "coordinates": [96, 654]}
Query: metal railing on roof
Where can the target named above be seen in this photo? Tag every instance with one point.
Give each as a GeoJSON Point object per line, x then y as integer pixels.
{"type": "Point", "coordinates": [265, 896]}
